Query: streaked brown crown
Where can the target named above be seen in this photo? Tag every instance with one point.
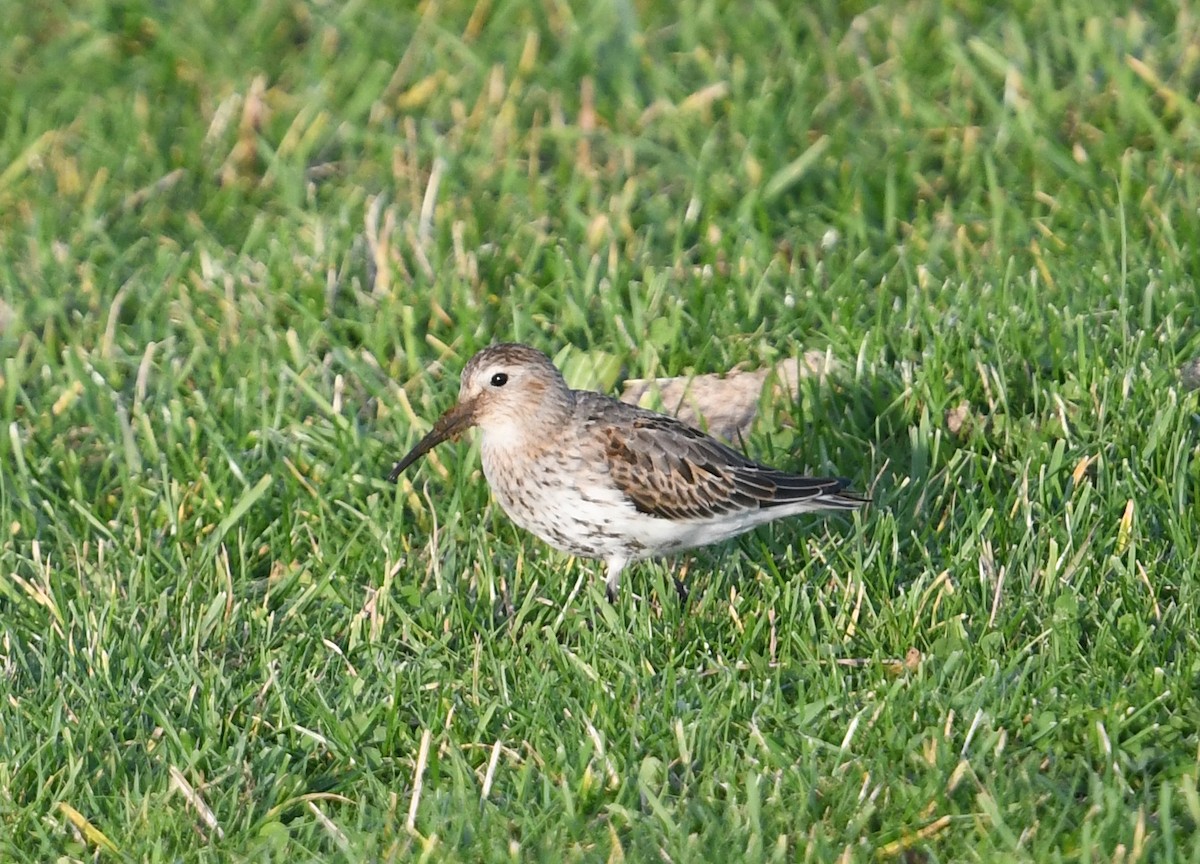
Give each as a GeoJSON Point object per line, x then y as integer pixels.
{"type": "Point", "coordinates": [509, 383]}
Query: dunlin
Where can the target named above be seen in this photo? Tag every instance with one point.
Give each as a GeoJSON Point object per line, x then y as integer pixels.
{"type": "Point", "coordinates": [598, 478]}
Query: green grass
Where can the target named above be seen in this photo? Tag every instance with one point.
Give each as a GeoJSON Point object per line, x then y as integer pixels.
{"type": "Point", "coordinates": [244, 255]}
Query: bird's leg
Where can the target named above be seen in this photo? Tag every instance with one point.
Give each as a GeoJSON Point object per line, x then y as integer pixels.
{"type": "Point", "coordinates": [678, 575]}
{"type": "Point", "coordinates": [681, 589]}
{"type": "Point", "coordinates": [612, 580]}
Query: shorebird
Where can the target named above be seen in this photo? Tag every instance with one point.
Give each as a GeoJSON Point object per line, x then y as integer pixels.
{"type": "Point", "coordinates": [597, 478]}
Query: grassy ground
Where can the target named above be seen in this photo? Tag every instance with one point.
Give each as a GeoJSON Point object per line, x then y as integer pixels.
{"type": "Point", "coordinates": [244, 254]}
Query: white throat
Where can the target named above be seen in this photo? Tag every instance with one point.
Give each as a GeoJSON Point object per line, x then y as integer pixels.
{"type": "Point", "coordinates": [504, 437]}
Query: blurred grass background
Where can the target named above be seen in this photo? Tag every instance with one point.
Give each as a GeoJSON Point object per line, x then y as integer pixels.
{"type": "Point", "coordinates": [244, 253]}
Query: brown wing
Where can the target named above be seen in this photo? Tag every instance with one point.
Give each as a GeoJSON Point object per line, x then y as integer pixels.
{"type": "Point", "coordinates": [670, 470]}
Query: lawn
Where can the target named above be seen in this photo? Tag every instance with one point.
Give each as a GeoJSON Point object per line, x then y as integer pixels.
{"type": "Point", "coordinates": [245, 252]}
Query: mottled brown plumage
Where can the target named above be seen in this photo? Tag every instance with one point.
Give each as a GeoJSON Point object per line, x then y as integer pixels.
{"type": "Point", "coordinates": [596, 477]}
{"type": "Point", "coordinates": [672, 471]}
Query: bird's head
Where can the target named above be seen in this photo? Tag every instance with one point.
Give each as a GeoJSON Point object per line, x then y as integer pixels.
{"type": "Point", "coordinates": [509, 391]}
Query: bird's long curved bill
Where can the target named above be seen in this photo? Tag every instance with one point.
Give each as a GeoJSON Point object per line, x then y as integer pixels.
{"type": "Point", "coordinates": [456, 420]}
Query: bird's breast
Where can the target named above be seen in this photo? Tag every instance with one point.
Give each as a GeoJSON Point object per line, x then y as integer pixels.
{"type": "Point", "coordinates": [573, 504]}
{"type": "Point", "coordinates": [555, 495]}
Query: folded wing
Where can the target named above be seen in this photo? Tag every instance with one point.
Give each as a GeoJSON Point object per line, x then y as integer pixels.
{"type": "Point", "coordinates": [670, 470]}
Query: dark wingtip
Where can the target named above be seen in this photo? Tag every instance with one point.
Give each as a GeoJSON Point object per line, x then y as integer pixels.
{"type": "Point", "coordinates": [840, 497]}
{"type": "Point", "coordinates": [852, 499]}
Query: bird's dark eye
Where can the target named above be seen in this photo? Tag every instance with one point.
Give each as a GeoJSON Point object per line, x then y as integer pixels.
{"type": "Point", "coordinates": [499, 379]}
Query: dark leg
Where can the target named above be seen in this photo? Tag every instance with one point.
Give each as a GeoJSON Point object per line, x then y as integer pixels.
{"type": "Point", "coordinates": [681, 589]}
{"type": "Point", "coordinates": [612, 579]}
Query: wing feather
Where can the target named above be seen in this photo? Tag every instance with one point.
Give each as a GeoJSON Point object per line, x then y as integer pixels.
{"type": "Point", "coordinates": [670, 470]}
